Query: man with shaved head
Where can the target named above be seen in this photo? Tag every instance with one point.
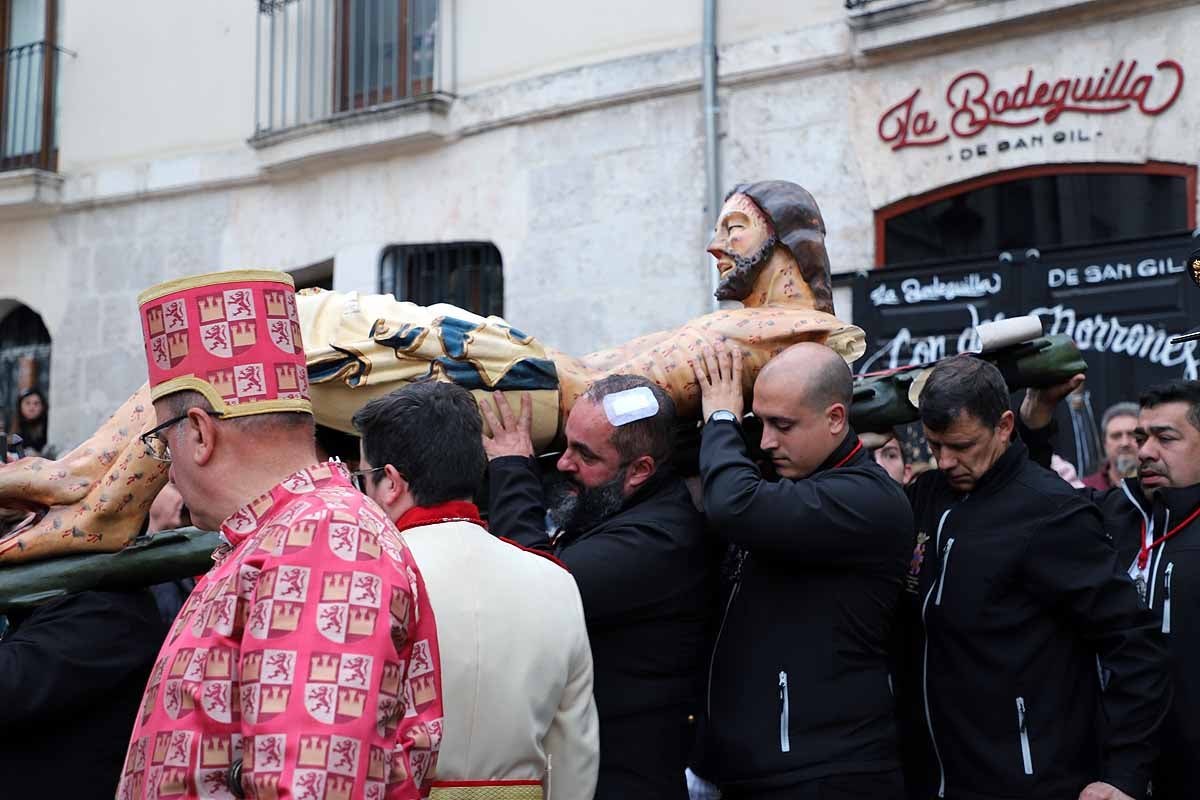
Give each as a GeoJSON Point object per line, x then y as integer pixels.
{"type": "Point", "coordinates": [799, 700]}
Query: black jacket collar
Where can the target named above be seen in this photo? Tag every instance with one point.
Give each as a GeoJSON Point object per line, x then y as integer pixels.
{"type": "Point", "coordinates": [656, 485]}
{"type": "Point", "coordinates": [1010, 462]}
{"type": "Point", "coordinates": [850, 451]}
{"type": "Point", "coordinates": [1180, 502]}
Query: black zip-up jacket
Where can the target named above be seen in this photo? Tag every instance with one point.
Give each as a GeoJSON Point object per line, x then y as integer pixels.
{"type": "Point", "coordinates": [647, 577]}
{"type": "Point", "coordinates": [799, 686]}
{"type": "Point", "coordinates": [72, 673]}
{"type": "Point", "coordinates": [1020, 593]}
{"type": "Point", "coordinates": [1173, 593]}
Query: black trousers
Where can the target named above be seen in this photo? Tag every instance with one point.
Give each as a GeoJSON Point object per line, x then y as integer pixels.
{"type": "Point", "coordinates": [643, 756]}
{"type": "Point", "coordinates": [869, 786]}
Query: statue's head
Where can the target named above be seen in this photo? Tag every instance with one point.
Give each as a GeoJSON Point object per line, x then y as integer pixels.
{"type": "Point", "coordinates": [765, 222]}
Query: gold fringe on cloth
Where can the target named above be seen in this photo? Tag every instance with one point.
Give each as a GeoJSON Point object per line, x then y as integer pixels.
{"type": "Point", "coordinates": [507, 790]}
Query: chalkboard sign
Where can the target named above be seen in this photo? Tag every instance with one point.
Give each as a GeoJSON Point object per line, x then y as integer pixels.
{"type": "Point", "coordinates": [1121, 302]}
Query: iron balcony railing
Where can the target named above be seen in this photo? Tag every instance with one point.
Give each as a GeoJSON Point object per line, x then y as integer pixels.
{"type": "Point", "coordinates": [27, 132]}
{"type": "Point", "coordinates": [322, 59]}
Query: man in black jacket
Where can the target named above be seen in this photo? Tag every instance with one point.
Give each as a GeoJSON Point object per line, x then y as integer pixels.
{"type": "Point", "coordinates": [72, 673]}
{"type": "Point", "coordinates": [623, 523]}
{"type": "Point", "coordinates": [799, 697]}
{"type": "Point", "coordinates": [1155, 519]}
{"type": "Point", "coordinates": [1020, 599]}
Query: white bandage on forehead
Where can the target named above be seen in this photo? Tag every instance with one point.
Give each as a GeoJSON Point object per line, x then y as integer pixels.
{"type": "Point", "coordinates": [628, 406]}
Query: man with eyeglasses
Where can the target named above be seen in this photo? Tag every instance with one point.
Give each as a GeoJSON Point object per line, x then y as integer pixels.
{"type": "Point", "coordinates": [516, 665]}
{"type": "Point", "coordinates": [623, 522]}
{"type": "Point", "coordinates": [305, 663]}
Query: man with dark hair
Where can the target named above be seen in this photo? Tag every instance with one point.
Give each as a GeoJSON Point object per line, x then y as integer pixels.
{"type": "Point", "coordinates": [516, 666]}
{"type": "Point", "coordinates": [1020, 600]}
{"type": "Point", "coordinates": [623, 522]}
{"type": "Point", "coordinates": [305, 662]}
{"type": "Point", "coordinates": [427, 435]}
{"type": "Point", "coordinates": [799, 704]}
{"type": "Point", "coordinates": [1155, 519]}
{"type": "Point", "coordinates": [1120, 447]}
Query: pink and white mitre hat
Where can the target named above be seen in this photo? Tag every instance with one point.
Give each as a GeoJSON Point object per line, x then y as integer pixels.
{"type": "Point", "coordinates": [234, 337]}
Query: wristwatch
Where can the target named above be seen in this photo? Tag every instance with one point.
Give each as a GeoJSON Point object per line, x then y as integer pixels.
{"type": "Point", "coordinates": [723, 414]}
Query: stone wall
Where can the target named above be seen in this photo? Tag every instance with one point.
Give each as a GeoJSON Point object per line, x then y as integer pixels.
{"type": "Point", "coordinates": [590, 183]}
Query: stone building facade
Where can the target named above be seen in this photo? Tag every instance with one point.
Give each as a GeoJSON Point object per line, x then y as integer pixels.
{"type": "Point", "coordinates": [571, 136]}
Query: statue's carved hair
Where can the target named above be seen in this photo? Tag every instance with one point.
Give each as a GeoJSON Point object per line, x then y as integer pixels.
{"type": "Point", "coordinates": [797, 221]}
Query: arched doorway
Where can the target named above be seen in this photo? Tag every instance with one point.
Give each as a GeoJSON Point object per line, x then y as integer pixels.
{"type": "Point", "coordinates": [1097, 251]}
{"type": "Point", "coordinates": [1045, 206]}
{"type": "Point", "coordinates": [24, 355]}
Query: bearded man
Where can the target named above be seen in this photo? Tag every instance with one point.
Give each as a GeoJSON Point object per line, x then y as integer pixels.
{"type": "Point", "coordinates": [623, 522]}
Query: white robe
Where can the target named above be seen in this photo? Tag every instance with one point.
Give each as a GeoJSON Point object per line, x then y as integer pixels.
{"type": "Point", "coordinates": [516, 663]}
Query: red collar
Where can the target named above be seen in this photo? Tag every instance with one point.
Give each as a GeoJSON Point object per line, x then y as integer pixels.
{"type": "Point", "coordinates": [453, 511]}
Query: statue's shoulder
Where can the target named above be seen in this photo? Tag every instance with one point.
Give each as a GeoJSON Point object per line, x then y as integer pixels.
{"type": "Point", "coordinates": [773, 321]}
{"type": "Point", "coordinates": [774, 327]}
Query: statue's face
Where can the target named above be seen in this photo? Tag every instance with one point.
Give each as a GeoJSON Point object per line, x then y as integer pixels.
{"type": "Point", "coordinates": [742, 243]}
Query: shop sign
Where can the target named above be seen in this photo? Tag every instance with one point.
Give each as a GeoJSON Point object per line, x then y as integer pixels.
{"type": "Point", "coordinates": [974, 102]}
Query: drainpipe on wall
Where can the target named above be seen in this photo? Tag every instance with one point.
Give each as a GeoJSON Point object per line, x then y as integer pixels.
{"type": "Point", "coordinates": [712, 163]}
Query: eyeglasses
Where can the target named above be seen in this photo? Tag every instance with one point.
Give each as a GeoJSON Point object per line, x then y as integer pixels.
{"type": "Point", "coordinates": [356, 477]}
{"type": "Point", "coordinates": [155, 440]}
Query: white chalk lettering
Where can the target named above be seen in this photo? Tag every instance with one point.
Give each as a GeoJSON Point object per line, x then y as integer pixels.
{"type": "Point", "coordinates": [972, 285]}
{"type": "Point", "coordinates": [1097, 332]}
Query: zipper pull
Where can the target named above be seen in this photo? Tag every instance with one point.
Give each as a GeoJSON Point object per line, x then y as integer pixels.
{"type": "Point", "coordinates": [785, 742]}
{"type": "Point", "coordinates": [1166, 615]}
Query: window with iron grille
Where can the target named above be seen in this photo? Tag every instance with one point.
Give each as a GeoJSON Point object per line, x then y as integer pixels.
{"type": "Point", "coordinates": [320, 59]}
{"type": "Point", "coordinates": [466, 274]}
{"type": "Point", "coordinates": [28, 67]}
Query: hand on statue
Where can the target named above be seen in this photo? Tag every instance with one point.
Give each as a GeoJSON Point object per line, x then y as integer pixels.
{"type": "Point", "coordinates": [1037, 409]}
{"type": "Point", "coordinates": [719, 374]}
{"type": "Point", "coordinates": [1102, 791]}
{"type": "Point", "coordinates": [510, 436]}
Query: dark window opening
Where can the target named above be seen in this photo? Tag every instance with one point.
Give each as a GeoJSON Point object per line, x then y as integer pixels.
{"type": "Point", "coordinates": [24, 358]}
{"type": "Point", "coordinates": [1045, 211]}
{"type": "Point", "coordinates": [314, 276]}
{"type": "Point", "coordinates": [466, 274]}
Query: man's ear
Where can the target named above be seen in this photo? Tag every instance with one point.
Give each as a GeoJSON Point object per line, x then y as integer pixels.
{"type": "Point", "coordinates": [639, 471]}
{"type": "Point", "coordinates": [838, 418]}
{"type": "Point", "coordinates": [394, 488]}
{"type": "Point", "coordinates": [1006, 424]}
{"type": "Point", "coordinates": [202, 430]}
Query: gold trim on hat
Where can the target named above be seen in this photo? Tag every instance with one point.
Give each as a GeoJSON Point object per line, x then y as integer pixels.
{"type": "Point", "coordinates": [186, 383]}
{"type": "Point", "coordinates": [213, 278]}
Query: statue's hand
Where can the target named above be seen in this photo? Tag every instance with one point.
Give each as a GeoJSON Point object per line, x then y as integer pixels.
{"type": "Point", "coordinates": [509, 436]}
{"type": "Point", "coordinates": [720, 377]}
